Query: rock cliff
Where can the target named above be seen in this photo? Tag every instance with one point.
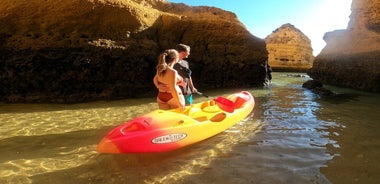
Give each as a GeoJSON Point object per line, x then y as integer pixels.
{"type": "Point", "coordinates": [289, 49]}
{"type": "Point", "coordinates": [351, 56]}
{"type": "Point", "coordinates": [80, 50]}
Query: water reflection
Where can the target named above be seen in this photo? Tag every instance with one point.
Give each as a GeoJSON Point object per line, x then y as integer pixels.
{"type": "Point", "coordinates": [293, 136]}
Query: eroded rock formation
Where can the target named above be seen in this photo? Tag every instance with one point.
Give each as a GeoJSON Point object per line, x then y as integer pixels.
{"type": "Point", "coordinates": [351, 57]}
{"type": "Point", "coordinates": [80, 50]}
{"type": "Point", "coordinates": [289, 49]}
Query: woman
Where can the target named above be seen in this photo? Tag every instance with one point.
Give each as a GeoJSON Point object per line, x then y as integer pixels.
{"type": "Point", "coordinates": [167, 80]}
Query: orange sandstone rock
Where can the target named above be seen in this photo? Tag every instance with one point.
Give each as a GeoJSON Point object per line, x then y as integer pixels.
{"type": "Point", "coordinates": [289, 49]}
{"type": "Point", "coordinates": [351, 56]}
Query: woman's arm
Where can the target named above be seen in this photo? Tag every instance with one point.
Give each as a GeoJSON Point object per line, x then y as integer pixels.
{"type": "Point", "coordinates": [155, 81]}
{"type": "Point", "coordinates": [174, 89]}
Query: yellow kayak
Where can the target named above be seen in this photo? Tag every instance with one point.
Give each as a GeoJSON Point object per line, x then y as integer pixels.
{"type": "Point", "coordinates": [166, 130]}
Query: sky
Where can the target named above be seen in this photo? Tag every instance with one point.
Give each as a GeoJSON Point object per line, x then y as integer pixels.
{"type": "Point", "coordinates": [261, 17]}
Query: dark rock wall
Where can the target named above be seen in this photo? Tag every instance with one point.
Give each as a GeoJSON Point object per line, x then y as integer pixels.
{"type": "Point", "coordinates": [74, 75]}
{"type": "Point", "coordinates": [74, 51]}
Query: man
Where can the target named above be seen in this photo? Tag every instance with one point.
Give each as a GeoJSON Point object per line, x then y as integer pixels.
{"type": "Point", "coordinates": [184, 71]}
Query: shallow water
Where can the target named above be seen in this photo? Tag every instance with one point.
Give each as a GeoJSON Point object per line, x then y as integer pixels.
{"type": "Point", "coordinates": [293, 136]}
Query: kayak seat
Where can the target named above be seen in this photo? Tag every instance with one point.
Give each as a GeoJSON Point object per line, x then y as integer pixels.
{"type": "Point", "coordinates": [210, 107]}
{"type": "Point", "coordinates": [239, 102]}
{"type": "Point", "coordinates": [196, 114]}
{"type": "Point", "coordinates": [225, 104]}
